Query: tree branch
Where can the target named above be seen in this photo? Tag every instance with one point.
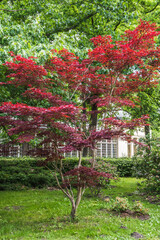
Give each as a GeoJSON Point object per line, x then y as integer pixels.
{"type": "Point", "coordinates": [13, 10]}
{"type": "Point", "coordinates": [117, 24]}
{"type": "Point", "coordinates": [74, 25]}
{"type": "Point", "coordinates": [151, 10]}
{"type": "Point", "coordinates": [80, 21]}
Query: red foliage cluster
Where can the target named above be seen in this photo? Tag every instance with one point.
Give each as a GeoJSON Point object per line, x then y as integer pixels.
{"type": "Point", "coordinates": [126, 124]}
{"type": "Point", "coordinates": [85, 177]}
{"type": "Point", "coordinates": [104, 72]}
{"type": "Point", "coordinates": [42, 94]}
{"type": "Point", "coordinates": [20, 109]}
{"type": "Point", "coordinates": [25, 72]}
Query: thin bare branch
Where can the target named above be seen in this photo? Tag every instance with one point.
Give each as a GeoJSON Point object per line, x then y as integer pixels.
{"type": "Point", "coordinates": [151, 10]}
{"type": "Point", "coordinates": [16, 10]}
{"type": "Point", "coordinates": [117, 24]}
{"type": "Point", "coordinates": [75, 91]}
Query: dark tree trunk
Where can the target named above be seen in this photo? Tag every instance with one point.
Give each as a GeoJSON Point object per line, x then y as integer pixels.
{"type": "Point", "coordinates": [94, 117]}
{"type": "Point", "coordinates": [148, 137]}
{"type": "Point", "coordinates": [93, 126]}
{"type": "Point", "coordinates": [147, 131]}
{"type": "Point", "coordinates": [85, 152]}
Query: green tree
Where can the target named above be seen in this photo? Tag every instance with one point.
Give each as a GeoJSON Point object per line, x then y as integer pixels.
{"type": "Point", "coordinates": [149, 104]}
{"type": "Point", "coordinates": [31, 27]}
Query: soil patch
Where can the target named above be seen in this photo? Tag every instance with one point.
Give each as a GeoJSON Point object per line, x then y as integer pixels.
{"type": "Point", "coordinates": [153, 200]}
{"type": "Point", "coordinates": [13, 208]}
{"type": "Point", "coordinates": [139, 215]}
{"type": "Point", "coordinates": [137, 235]}
{"type": "Point", "coordinates": [129, 213]}
{"type": "Point", "coordinates": [123, 227]}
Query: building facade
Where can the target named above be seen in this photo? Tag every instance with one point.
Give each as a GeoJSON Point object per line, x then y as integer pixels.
{"type": "Point", "coordinates": [115, 148]}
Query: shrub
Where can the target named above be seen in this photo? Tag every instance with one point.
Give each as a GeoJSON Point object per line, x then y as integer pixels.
{"type": "Point", "coordinates": [102, 165]}
{"type": "Point", "coordinates": [139, 208]}
{"type": "Point", "coordinates": [120, 204]}
{"type": "Point", "coordinates": [150, 166]}
{"type": "Point", "coordinates": [87, 177]}
{"type": "Point", "coordinates": [27, 171]}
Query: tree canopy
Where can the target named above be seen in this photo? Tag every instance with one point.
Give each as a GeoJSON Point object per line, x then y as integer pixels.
{"type": "Point", "coordinates": [35, 27]}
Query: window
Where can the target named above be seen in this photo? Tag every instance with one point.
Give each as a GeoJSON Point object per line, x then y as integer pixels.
{"type": "Point", "coordinates": [107, 148]}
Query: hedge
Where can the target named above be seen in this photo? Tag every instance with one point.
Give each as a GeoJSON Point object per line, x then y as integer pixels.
{"type": "Point", "coordinates": [26, 172]}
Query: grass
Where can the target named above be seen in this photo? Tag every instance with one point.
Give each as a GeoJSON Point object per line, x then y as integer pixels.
{"type": "Point", "coordinates": [43, 214]}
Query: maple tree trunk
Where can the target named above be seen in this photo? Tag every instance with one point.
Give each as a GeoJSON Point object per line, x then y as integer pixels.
{"type": "Point", "coordinates": [73, 211]}
{"type": "Point", "coordinates": [76, 204]}
{"type": "Point", "coordinates": [69, 194]}
{"type": "Point", "coordinates": [24, 149]}
{"type": "Point", "coordinates": [93, 158]}
{"type": "Point", "coordinates": [80, 158]}
{"type": "Point", "coordinates": [94, 117]}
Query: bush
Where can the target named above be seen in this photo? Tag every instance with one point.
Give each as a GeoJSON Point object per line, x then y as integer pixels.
{"type": "Point", "coordinates": [150, 166]}
{"type": "Point", "coordinates": [27, 172]}
{"type": "Point", "coordinates": [123, 167]}
{"type": "Point", "coordinates": [17, 173]}
{"type": "Point", "coordinates": [122, 205]}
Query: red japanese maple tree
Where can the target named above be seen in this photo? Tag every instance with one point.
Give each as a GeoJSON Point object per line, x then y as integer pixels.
{"type": "Point", "coordinates": [103, 83]}
{"type": "Point", "coordinates": [112, 74]}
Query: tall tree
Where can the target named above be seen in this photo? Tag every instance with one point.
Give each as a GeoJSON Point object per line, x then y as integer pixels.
{"type": "Point", "coordinates": [54, 125]}
{"type": "Point", "coordinates": [100, 81]}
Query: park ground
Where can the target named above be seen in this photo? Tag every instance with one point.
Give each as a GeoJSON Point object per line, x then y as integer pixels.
{"type": "Point", "coordinates": [44, 214]}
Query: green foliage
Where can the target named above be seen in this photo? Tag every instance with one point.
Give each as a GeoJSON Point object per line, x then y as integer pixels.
{"type": "Point", "coordinates": [91, 17]}
{"type": "Point", "coordinates": [102, 165]}
{"type": "Point", "coordinates": [28, 38]}
{"type": "Point", "coordinates": [149, 104]}
{"type": "Point", "coordinates": [20, 174]}
{"type": "Point", "coordinates": [26, 172]}
{"type": "Point", "coordinates": [124, 166]}
{"type": "Point", "coordinates": [150, 166]}
{"type": "Point", "coordinates": [31, 27]}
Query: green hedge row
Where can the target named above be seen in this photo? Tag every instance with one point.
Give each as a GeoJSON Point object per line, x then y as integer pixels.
{"type": "Point", "coordinates": [27, 172]}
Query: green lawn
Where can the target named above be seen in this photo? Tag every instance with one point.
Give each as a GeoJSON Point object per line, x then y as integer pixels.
{"type": "Point", "coordinates": [43, 214]}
